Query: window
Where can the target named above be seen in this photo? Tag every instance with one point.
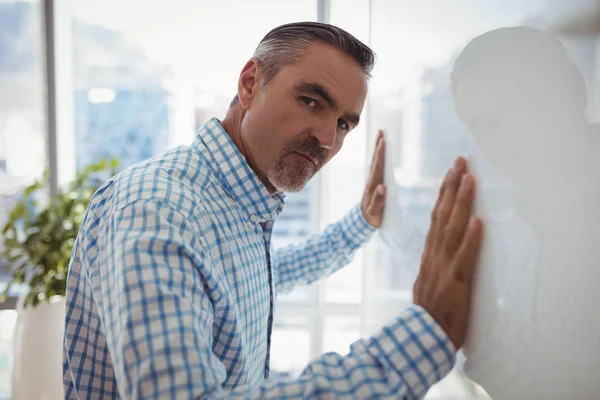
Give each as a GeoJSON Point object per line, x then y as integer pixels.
{"type": "Point", "coordinates": [289, 360]}
{"type": "Point", "coordinates": [144, 79]}
{"type": "Point", "coordinates": [22, 132]}
{"type": "Point", "coordinates": [343, 178]}
{"type": "Point", "coordinates": [340, 332]}
{"type": "Point", "coordinates": [22, 120]}
{"type": "Point", "coordinates": [8, 320]}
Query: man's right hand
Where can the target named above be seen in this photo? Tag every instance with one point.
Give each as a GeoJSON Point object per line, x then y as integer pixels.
{"type": "Point", "coordinates": [443, 287]}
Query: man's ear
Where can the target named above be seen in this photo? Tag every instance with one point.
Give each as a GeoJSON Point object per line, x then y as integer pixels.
{"type": "Point", "coordinates": [248, 84]}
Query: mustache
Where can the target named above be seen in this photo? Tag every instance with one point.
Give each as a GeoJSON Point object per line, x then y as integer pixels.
{"type": "Point", "coordinates": [307, 146]}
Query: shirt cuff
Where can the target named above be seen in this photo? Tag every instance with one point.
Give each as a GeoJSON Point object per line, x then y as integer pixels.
{"type": "Point", "coordinates": [358, 231]}
{"type": "Point", "coordinates": [416, 348]}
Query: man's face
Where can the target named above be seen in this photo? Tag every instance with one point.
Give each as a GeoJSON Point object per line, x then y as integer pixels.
{"type": "Point", "coordinates": [297, 122]}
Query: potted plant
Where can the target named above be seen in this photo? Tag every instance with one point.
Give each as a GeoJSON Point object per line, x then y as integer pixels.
{"type": "Point", "coordinates": [38, 240]}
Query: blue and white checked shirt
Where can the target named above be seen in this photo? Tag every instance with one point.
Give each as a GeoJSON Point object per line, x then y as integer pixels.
{"type": "Point", "coordinates": [171, 286]}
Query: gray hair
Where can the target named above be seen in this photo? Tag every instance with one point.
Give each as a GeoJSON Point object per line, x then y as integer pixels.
{"type": "Point", "coordinates": [284, 45]}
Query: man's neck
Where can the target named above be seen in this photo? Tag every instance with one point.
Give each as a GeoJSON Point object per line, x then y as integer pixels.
{"type": "Point", "coordinates": [232, 124]}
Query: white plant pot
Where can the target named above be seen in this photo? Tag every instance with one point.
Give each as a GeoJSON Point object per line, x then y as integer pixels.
{"type": "Point", "coordinates": [38, 338]}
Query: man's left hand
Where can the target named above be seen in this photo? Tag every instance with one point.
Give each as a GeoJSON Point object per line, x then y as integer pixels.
{"type": "Point", "coordinates": [373, 200]}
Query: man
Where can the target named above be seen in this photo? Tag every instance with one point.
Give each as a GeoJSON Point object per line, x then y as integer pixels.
{"type": "Point", "coordinates": [172, 282]}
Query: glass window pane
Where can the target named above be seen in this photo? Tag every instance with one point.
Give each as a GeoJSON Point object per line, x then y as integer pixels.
{"type": "Point", "coordinates": [291, 227]}
{"type": "Point", "coordinates": [339, 333]}
{"type": "Point", "coordinates": [345, 286]}
{"type": "Point", "coordinates": [290, 346]}
{"type": "Point", "coordinates": [8, 320]}
{"type": "Point", "coordinates": [351, 16]}
{"type": "Point", "coordinates": [145, 78]}
{"type": "Point", "coordinates": [22, 103]}
{"type": "Point", "coordinates": [344, 177]}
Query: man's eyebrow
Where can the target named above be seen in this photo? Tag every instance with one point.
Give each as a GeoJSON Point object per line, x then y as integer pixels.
{"type": "Point", "coordinates": [352, 118]}
{"type": "Point", "coordinates": [316, 89]}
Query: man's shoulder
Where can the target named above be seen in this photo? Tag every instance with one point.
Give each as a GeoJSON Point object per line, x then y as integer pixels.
{"type": "Point", "coordinates": [180, 183]}
{"type": "Point", "coordinates": [178, 179]}
{"type": "Point", "coordinates": [178, 172]}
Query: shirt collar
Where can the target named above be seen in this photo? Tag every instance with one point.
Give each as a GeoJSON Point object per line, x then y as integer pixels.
{"type": "Point", "coordinates": [235, 174]}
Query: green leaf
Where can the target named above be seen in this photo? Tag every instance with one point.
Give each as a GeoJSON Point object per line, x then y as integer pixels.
{"type": "Point", "coordinates": [46, 176]}
{"type": "Point", "coordinates": [18, 277]}
{"type": "Point", "coordinates": [4, 293]}
{"type": "Point", "coordinates": [29, 298]}
{"type": "Point", "coordinates": [39, 237]}
{"type": "Point", "coordinates": [29, 190]}
{"type": "Point", "coordinates": [19, 269]}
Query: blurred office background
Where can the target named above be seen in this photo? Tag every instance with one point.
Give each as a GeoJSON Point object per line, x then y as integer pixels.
{"type": "Point", "coordinates": [132, 78]}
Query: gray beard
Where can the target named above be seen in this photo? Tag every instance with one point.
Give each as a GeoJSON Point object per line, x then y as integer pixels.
{"type": "Point", "coordinates": [289, 179]}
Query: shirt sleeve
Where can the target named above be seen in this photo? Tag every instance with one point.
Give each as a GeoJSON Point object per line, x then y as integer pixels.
{"type": "Point", "coordinates": [158, 321]}
{"type": "Point", "coordinates": [322, 254]}
{"type": "Point", "coordinates": [401, 361]}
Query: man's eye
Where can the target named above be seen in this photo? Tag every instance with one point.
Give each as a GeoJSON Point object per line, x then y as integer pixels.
{"type": "Point", "coordinates": [309, 102]}
{"type": "Point", "coordinates": [343, 124]}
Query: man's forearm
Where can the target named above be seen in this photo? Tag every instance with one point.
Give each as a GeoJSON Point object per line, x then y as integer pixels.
{"type": "Point", "coordinates": [402, 360]}
{"type": "Point", "coordinates": [321, 254]}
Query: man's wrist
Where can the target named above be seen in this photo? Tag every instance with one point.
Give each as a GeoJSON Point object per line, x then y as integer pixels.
{"type": "Point", "coordinates": [364, 218]}
{"type": "Point", "coordinates": [356, 226]}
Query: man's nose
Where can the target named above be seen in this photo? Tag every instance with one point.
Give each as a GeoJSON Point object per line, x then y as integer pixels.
{"type": "Point", "coordinates": [325, 135]}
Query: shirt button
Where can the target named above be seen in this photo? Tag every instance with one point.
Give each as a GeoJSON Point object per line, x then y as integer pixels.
{"type": "Point", "coordinates": [255, 219]}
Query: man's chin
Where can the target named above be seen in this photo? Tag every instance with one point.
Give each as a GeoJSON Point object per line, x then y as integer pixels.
{"type": "Point", "coordinates": [290, 182]}
{"type": "Point", "coordinates": [290, 187]}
